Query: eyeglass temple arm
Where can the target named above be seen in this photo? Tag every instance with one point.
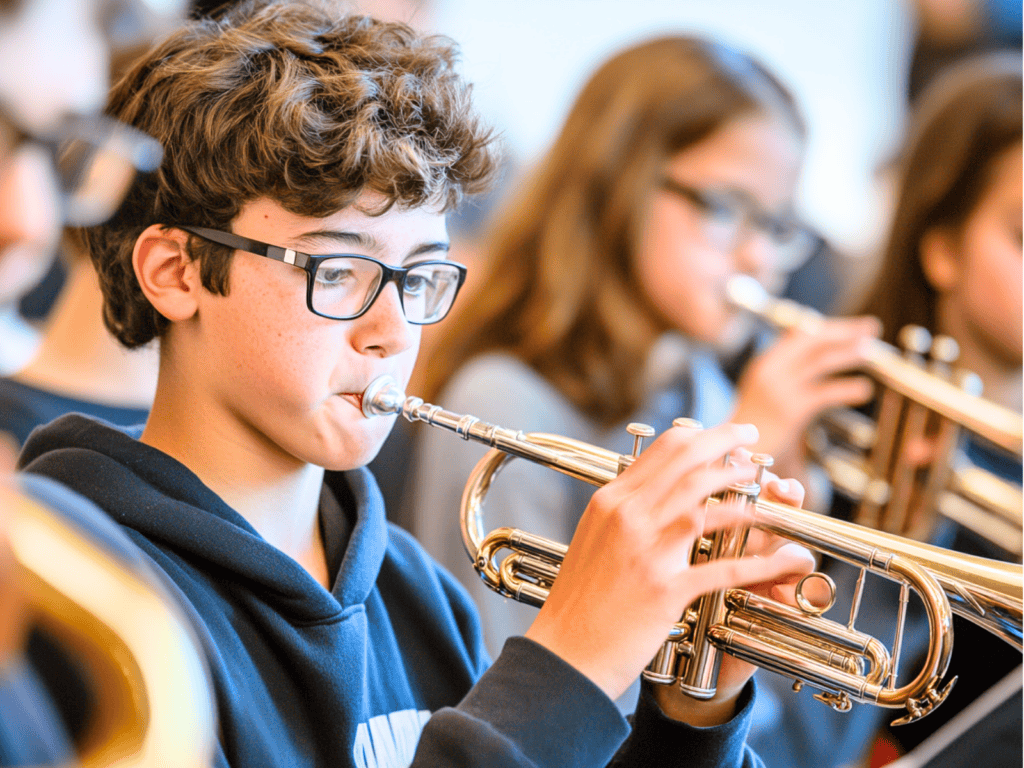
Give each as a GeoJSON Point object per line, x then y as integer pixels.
{"type": "Point", "coordinates": [230, 240]}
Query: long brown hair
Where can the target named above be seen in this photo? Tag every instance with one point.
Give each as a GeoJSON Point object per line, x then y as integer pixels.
{"type": "Point", "coordinates": [561, 293]}
{"type": "Point", "coordinates": [965, 120]}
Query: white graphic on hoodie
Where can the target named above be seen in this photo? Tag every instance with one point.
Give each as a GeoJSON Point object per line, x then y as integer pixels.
{"type": "Point", "coordinates": [389, 741]}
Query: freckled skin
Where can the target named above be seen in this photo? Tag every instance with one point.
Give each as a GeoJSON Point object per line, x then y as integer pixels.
{"type": "Point", "coordinates": [282, 382]}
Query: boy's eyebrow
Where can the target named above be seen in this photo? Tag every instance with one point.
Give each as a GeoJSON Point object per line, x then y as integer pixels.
{"type": "Point", "coordinates": [360, 239]}
{"type": "Point", "coordinates": [441, 247]}
{"type": "Point", "coordinates": [364, 241]}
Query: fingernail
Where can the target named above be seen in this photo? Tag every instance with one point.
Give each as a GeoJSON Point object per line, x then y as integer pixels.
{"type": "Point", "coordinates": [782, 486]}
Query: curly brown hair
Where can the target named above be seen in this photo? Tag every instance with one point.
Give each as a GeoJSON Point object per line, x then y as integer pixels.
{"type": "Point", "coordinates": [292, 101]}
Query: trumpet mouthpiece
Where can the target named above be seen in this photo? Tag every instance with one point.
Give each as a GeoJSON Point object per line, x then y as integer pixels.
{"type": "Point", "coordinates": [382, 397]}
{"type": "Point", "coordinates": [746, 293]}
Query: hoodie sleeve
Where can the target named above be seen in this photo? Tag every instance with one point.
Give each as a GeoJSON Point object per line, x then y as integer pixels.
{"type": "Point", "coordinates": [532, 709]}
{"type": "Point", "coordinates": [657, 740]}
{"type": "Point", "coordinates": [529, 709]}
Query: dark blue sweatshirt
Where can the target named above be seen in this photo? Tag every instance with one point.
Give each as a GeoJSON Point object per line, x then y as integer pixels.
{"type": "Point", "coordinates": [391, 658]}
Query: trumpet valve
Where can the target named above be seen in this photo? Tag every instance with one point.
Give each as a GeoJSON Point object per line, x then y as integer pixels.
{"type": "Point", "coordinates": [944, 351]}
{"type": "Point", "coordinates": [915, 341]}
{"type": "Point", "coordinates": [639, 432]}
{"type": "Point", "coordinates": [762, 461]}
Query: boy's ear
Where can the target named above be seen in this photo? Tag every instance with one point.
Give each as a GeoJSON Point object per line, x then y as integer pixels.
{"type": "Point", "coordinates": [167, 275]}
{"type": "Point", "coordinates": [939, 258]}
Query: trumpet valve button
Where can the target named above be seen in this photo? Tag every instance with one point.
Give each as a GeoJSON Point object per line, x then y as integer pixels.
{"type": "Point", "coordinates": [687, 423]}
{"type": "Point", "coordinates": [945, 350]}
{"type": "Point", "coordinates": [915, 339]}
{"type": "Point", "coordinates": [762, 461]}
{"type": "Point", "coordinates": [969, 382]}
{"type": "Point", "coordinates": [639, 432]}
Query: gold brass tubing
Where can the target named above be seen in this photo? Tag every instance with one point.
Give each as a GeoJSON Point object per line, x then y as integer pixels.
{"type": "Point", "coordinates": [154, 702]}
{"type": "Point", "coordinates": [987, 592]}
{"type": "Point", "coordinates": [997, 424]}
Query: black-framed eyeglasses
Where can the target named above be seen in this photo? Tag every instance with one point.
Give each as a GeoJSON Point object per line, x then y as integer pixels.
{"type": "Point", "coordinates": [94, 159]}
{"type": "Point", "coordinates": [344, 286]}
{"type": "Point", "coordinates": [729, 217]}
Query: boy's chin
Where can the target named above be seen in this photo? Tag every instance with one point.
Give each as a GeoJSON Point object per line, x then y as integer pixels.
{"type": "Point", "coordinates": [358, 452]}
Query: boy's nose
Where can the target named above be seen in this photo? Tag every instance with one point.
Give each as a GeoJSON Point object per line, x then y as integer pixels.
{"type": "Point", "coordinates": [383, 329]}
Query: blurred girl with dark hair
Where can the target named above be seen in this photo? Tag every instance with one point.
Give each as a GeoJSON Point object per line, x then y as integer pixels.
{"type": "Point", "coordinates": [952, 264]}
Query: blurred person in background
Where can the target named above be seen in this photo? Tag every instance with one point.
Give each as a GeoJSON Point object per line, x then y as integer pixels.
{"type": "Point", "coordinates": [952, 264]}
{"type": "Point", "coordinates": [77, 367]}
{"type": "Point", "coordinates": [948, 31]}
{"type": "Point", "coordinates": [54, 60]}
{"type": "Point", "coordinates": [605, 296]}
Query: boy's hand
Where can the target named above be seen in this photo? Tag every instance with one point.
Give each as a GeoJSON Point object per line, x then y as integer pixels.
{"type": "Point", "coordinates": [627, 579]}
{"type": "Point", "coordinates": [797, 378]}
{"type": "Point", "coordinates": [734, 673]}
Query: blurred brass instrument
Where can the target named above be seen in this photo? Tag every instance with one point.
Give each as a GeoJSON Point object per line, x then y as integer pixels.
{"type": "Point", "coordinates": [844, 664]}
{"type": "Point", "coordinates": [154, 705]}
{"type": "Point", "coordinates": [865, 457]}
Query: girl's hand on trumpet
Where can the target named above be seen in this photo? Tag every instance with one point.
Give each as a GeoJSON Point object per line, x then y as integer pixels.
{"type": "Point", "coordinates": [805, 372]}
{"type": "Point", "coordinates": [627, 579]}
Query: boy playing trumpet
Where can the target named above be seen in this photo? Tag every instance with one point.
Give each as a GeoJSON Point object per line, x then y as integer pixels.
{"type": "Point", "coordinates": [285, 254]}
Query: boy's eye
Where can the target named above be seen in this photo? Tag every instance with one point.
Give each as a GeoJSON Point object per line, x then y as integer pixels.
{"type": "Point", "coordinates": [415, 284]}
{"type": "Point", "coordinates": [332, 275]}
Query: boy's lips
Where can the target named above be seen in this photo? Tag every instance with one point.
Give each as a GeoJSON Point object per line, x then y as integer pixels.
{"type": "Point", "coordinates": [356, 398]}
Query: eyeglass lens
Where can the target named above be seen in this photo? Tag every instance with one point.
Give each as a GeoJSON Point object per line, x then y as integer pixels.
{"type": "Point", "coordinates": [727, 221]}
{"type": "Point", "coordinates": [344, 287]}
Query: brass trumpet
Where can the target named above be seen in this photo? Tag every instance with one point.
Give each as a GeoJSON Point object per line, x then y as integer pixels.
{"type": "Point", "coordinates": [863, 456]}
{"type": "Point", "coordinates": [844, 664]}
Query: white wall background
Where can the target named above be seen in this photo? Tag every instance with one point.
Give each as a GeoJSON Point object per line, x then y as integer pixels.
{"type": "Point", "coordinates": [845, 61]}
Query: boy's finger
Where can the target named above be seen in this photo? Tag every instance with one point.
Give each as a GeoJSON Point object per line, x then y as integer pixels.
{"type": "Point", "coordinates": [682, 449]}
{"type": "Point", "coordinates": [785, 491]}
{"type": "Point", "coordinates": [743, 571]}
{"type": "Point", "coordinates": [683, 470]}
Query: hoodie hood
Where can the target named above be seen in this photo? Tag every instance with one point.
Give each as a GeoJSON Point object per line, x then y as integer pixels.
{"type": "Point", "coordinates": [171, 507]}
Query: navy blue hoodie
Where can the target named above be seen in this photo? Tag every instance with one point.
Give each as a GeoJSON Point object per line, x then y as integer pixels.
{"type": "Point", "coordinates": [389, 663]}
